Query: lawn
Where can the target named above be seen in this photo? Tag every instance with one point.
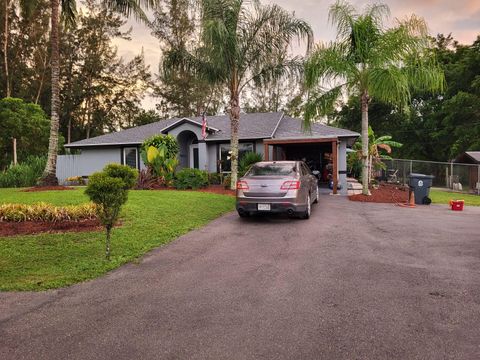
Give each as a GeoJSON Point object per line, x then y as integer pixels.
{"type": "Point", "coordinates": [443, 197]}
{"type": "Point", "coordinates": [150, 219]}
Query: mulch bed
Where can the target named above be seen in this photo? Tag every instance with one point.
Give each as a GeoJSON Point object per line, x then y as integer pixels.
{"type": "Point", "coordinates": [47, 188]}
{"type": "Point", "coordinates": [386, 193]}
{"type": "Point", "coordinates": [214, 189]}
{"type": "Point", "coordinates": [37, 227]}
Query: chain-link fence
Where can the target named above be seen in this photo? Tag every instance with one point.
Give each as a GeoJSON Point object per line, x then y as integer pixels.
{"type": "Point", "coordinates": [454, 176]}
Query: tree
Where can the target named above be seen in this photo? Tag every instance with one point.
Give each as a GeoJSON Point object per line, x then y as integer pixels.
{"type": "Point", "coordinates": [371, 62]}
{"type": "Point", "coordinates": [24, 122]}
{"type": "Point", "coordinates": [127, 8]}
{"type": "Point", "coordinates": [182, 92]}
{"type": "Point", "coordinates": [240, 43]}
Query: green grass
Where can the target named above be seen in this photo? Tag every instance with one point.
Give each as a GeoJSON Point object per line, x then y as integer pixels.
{"type": "Point", "coordinates": [443, 197]}
{"type": "Point", "coordinates": [150, 219]}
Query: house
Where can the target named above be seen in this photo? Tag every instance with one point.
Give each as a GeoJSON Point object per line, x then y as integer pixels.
{"type": "Point", "coordinates": [472, 170]}
{"type": "Point", "coordinates": [274, 135]}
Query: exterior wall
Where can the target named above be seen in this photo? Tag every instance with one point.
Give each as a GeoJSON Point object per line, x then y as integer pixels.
{"type": "Point", "coordinates": [212, 153]}
{"type": "Point", "coordinates": [342, 166]}
{"type": "Point", "coordinates": [259, 147]}
{"type": "Point", "coordinates": [86, 163]}
{"type": "Point", "coordinates": [203, 158]}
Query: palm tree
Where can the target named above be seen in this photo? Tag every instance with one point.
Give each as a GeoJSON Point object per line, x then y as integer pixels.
{"type": "Point", "coordinates": [370, 61]}
{"type": "Point", "coordinates": [125, 7]}
{"type": "Point", "coordinates": [379, 148]}
{"type": "Point", "coordinates": [241, 42]}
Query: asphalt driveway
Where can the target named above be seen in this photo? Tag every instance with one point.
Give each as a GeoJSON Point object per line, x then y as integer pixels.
{"type": "Point", "coordinates": [356, 281]}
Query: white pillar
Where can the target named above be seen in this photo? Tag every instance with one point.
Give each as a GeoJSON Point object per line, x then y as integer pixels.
{"type": "Point", "coordinates": [202, 156]}
{"type": "Point", "coordinates": [342, 166]}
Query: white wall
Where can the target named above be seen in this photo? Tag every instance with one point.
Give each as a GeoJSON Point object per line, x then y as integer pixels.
{"type": "Point", "coordinates": [86, 163]}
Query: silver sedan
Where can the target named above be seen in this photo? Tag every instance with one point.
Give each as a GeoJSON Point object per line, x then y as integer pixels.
{"type": "Point", "coordinates": [277, 187]}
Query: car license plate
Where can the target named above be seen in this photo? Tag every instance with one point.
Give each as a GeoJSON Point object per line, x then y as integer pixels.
{"type": "Point", "coordinates": [263, 207]}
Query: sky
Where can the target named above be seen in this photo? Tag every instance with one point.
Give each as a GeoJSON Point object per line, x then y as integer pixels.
{"type": "Point", "coordinates": [461, 18]}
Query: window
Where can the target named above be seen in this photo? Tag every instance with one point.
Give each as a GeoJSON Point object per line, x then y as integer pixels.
{"type": "Point", "coordinates": [243, 148]}
{"type": "Point", "coordinates": [272, 169]}
{"type": "Point", "coordinates": [130, 157]}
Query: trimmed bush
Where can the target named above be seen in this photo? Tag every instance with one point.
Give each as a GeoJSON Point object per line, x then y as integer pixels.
{"type": "Point", "coordinates": [109, 194]}
{"type": "Point", "coordinates": [190, 179]}
{"type": "Point", "coordinates": [24, 174]}
{"type": "Point", "coordinates": [127, 174]}
{"type": "Point", "coordinates": [46, 212]}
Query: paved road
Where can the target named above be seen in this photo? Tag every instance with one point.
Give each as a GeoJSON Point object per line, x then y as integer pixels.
{"type": "Point", "coordinates": [355, 281]}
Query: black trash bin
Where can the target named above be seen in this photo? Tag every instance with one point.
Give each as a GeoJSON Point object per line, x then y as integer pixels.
{"type": "Point", "coordinates": [420, 184]}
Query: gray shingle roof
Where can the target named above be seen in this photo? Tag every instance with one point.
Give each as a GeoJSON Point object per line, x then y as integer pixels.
{"type": "Point", "coordinates": [252, 126]}
{"type": "Point", "coordinates": [291, 128]}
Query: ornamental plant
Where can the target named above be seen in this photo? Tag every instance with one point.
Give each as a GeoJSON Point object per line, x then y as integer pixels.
{"type": "Point", "coordinates": [109, 193]}
{"type": "Point", "coordinates": [159, 153]}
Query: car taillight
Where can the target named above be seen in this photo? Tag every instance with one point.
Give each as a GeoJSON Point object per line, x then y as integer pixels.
{"type": "Point", "coordinates": [290, 185]}
{"type": "Point", "coordinates": [242, 185]}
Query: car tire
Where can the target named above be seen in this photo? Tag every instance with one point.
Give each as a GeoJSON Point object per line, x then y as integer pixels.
{"type": "Point", "coordinates": [243, 214]}
{"type": "Point", "coordinates": [317, 195]}
{"type": "Point", "coordinates": [306, 214]}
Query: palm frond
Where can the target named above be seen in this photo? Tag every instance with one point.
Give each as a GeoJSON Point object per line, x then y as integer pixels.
{"type": "Point", "coordinates": [135, 8]}
{"type": "Point", "coordinates": [69, 12]}
{"type": "Point", "coordinates": [329, 62]}
{"type": "Point", "coordinates": [389, 85]}
{"type": "Point", "coordinates": [320, 104]}
{"type": "Point", "coordinates": [342, 15]}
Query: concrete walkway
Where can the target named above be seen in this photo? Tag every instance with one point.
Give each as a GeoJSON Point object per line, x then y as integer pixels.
{"type": "Point", "coordinates": [356, 281]}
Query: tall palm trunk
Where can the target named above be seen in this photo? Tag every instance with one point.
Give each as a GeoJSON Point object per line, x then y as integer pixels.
{"type": "Point", "coordinates": [49, 174]}
{"type": "Point", "coordinates": [234, 126]}
{"type": "Point", "coordinates": [365, 167]}
{"type": "Point", "coordinates": [5, 49]}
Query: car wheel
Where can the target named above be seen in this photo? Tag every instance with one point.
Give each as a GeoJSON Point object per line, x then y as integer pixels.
{"type": "Point", "coordinates": [306, 214]}
{"type": "Point", "coordinates": [317, 196]}
{"type": "Point", "coordinates": [243, 214]}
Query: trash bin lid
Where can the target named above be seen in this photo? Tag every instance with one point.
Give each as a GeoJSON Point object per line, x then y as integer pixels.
{"type": "Point", "coordinates": [420, 176]}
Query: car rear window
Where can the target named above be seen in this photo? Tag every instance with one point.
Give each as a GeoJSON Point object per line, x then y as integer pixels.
{"type": "Point", "coordinates": [272, 169]}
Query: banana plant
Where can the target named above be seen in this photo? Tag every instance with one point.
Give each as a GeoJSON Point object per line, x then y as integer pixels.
{"type": "Point", "coordinates": [162, 166]}
{"type": "Point", "coordinates": [379, 149]}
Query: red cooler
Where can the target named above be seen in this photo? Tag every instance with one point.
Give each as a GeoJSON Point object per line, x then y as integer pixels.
{"type": "Point", "coordinates": [457, 205]}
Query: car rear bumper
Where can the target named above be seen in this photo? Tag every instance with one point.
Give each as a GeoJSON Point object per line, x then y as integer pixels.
{"type": "Point", "coordinates": [276, 205]}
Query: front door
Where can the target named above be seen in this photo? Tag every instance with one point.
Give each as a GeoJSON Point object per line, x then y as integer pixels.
{"type": "Point", "coordinates": [194, 156]}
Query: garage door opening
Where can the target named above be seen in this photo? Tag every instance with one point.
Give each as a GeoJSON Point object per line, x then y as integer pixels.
{"type": "Point", "coordinates": [320, 155]}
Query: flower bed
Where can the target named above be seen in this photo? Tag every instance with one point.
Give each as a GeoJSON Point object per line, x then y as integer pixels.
{"type": "Point", "coordinates": [44, 212]}
{"type": "Point", "coordinates": [386, 193]}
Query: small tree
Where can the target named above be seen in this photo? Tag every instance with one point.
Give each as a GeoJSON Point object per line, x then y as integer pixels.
{"type": "Point", "coordinates": [109, 191]}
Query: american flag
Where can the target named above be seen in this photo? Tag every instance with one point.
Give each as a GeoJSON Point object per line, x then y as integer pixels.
{"type": "Point", "coordinates": [204, 126]}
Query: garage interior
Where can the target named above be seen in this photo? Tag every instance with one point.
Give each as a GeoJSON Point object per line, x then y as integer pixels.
{"type": "Point", "coordinates": [319, 154]}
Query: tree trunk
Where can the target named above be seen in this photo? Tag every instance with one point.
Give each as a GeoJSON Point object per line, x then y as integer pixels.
{"type": "Point", "coordinates": [5, 50]}
{"type": "Point", "coordinates": [107, 243]}
{"type": "Point", "coordinates": [365, 167]}
{"type": "Point", "coordinates": [234, 125]}
{"type": "Point", "coordinates": [49, 174]}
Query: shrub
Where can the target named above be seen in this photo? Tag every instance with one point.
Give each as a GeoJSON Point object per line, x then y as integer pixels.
{"type": "Point", "coordinates": [248, 160]}
{"type": "Point", "coordinates": [226, 181]}
{"type": "Point", "coordinates": [215, 179]}
{"type": "Point", "coordinates": [75, 180]}
{"type": "Point", "coordinates": [46, 212]}
{"type": "Point", "coordinates": [109, 194]}
{"type": "Point", "coordinates": [23, 174]}
{"type": "Point", "coordinates": [145, 180]}
{"type": "Point", "coordinates": [191, 179]}
{"type": "Point", "coordinates": [123, 172]}
{"type": "Point", "coordinates": [169, 141]}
